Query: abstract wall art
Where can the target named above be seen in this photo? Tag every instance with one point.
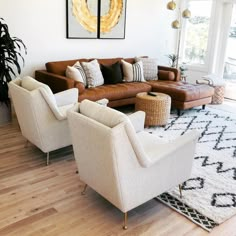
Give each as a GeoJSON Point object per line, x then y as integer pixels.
{"type": "Point", "coordinates": [104, 19]}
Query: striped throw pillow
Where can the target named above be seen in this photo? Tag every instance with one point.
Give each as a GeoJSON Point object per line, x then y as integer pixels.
{"type": "Point", "coordinates": [133, 72]}
{"type": "Point", "coordinates": [76, 72]}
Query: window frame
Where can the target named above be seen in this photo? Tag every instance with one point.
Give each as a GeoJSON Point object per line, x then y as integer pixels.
{"type": "Point", "coordinates": [196, 66]}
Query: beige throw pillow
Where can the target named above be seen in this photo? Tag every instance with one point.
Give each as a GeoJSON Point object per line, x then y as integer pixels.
{"type": "Point", "coordinates": [133, 72]}
{"type": "Point", "coordinates": [76, 72]}
{"type": "Point", "coordinates": [93, 73]}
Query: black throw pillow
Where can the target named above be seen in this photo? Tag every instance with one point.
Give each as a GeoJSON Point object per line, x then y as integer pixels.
{"type": "Point", "coordinates": [112, 74]}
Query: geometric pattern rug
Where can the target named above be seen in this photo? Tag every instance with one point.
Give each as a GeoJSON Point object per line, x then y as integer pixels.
{"type": "Point", "coordinates": [209, 196]}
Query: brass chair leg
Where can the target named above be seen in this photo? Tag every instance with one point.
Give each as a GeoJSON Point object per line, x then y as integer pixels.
{"type": "Point", "coordinates": [125, 221]}
{"type": "Point", "coordinates": [84, 190]}
{"type": "Point", "coordinates": [180, 190]}
{"type": "Point", "coordinates": [47, 159]}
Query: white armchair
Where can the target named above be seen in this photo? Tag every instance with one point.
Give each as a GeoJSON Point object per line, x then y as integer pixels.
{"type": "Point", "coordinates": [122, 162]}
{"type": "Point", "coordinates": [42, 116]}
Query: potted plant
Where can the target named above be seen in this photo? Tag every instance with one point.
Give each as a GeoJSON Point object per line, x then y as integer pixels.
{"type": "Point", "coordinates": [10, 58]}
{"type": "Point", "coordinates": [173, 58]}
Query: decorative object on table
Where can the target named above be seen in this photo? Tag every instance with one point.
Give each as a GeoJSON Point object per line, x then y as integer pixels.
{"type": "Point", "coordinates": [218, 85]}
{"type": "Point", "coordinates": [177, 24]}
{"type": "Point", "coordinates": [209, 196]}
{"type": "Point", "coordinates": [182, 69]}
{"type": "Point", "coordinates": [104, 19]}
{"type": "Point", "coordinates": [10, 57]}
{"type": "Point", "coordinates": [156, 106]}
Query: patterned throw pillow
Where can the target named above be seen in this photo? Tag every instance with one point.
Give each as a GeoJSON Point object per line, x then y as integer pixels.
{"type": "Point", "coordinates": [76, 72]}
{"type": "Point", "coordinates": [133, 72]}
{"type": "Point", "coordinates": [93, 73]}
{"type": "Point", "coordinates": [150, 68]}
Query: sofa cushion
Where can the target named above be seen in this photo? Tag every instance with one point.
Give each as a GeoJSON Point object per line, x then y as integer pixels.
{"type": "Point", "coordinates": [115, 92]}
{"type": "Point", "coordinates": [133, 72]}
{"type": "Point", "coordinates": [181, 91]}
{"type": "Point", "coordinates": [112, 74]}
{"type": "Point", "coordinates": [166, 75]}
{"type": "Point", "coordinates": [93, 73]}
{"type": "Point", "coordinates": [150, 68]}
{"type": "Point", "coordinates": [59, 67]}
{"type": "Point", "coordinates": [76, 72]}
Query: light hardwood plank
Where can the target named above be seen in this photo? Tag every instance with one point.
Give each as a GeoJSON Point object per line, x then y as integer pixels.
{"type": "Point", "coordinates": [36, 199]}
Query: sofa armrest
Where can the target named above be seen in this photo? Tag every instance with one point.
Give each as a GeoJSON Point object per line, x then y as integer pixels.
{"type": "Point", "coordinates": [57, 83]}
{"type": "Point", "coordinates": [80, 86]}
{"type": "Point", "coordinates": [162, 73]}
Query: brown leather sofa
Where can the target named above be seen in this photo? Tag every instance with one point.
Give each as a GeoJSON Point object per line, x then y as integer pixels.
{"type": "Point", "coordinates": [184, 95]}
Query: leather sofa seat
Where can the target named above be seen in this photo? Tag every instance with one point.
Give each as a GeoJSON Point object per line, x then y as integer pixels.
{"type": "Point", "coordinates": [115, 91]}
{"type": "Point", "coordinates": [182, 91]}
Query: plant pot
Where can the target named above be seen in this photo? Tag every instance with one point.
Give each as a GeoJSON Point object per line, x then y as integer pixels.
{"type": "Point", "coordinates": [5, 113]}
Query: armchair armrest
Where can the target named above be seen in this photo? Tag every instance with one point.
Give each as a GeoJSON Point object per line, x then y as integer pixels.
{"type": "Point", "coordinates": [165, 70]}
{"type": "Point", "coordinates": [137, 119]}
{"type": "Point", "coordinates": [186, 141]}
{"type": "Point", "coordinates": [67, 97]}
{"type": "Point", "coordinates": [60, 115]}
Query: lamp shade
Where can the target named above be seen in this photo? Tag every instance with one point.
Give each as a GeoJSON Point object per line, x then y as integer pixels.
{"type": "Point", "coordinates": [186, 13]}
{"type": "Point", "coordinates": [171, 5]}
{"type": "Point", "coordinates": [175, 24]}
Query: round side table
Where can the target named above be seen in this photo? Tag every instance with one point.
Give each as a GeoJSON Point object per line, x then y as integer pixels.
{"type": "Point", "coordinates": [157, 108]}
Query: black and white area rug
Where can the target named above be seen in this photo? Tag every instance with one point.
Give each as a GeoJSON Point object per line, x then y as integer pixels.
{"type": "Point", "coordinates": [209, 196]}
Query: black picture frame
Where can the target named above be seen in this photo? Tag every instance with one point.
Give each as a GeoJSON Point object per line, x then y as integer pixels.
{"type": "Point", "coordinates": [102, 19]}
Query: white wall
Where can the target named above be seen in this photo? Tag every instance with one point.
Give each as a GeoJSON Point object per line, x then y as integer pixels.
{"type": "Point", "coordinates": [42, 26]}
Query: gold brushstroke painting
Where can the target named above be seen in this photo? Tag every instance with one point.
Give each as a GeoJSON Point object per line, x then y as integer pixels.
{"type": "Point", "coordinates": [96, 18]}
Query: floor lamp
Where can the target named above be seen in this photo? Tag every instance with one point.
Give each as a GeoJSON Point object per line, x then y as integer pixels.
{"type": "Point", "coordinates": [177, 24]}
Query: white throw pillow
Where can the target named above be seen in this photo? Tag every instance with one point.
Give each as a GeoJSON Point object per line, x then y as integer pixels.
{"type": "Point", "coordinates": [93, 73]}
{"type": "Point", "coordinates": [76, 72]}
{"type": "Point", "coordinates": [150, 68]}
{"type": "Point", "coordinates": [133, 72]}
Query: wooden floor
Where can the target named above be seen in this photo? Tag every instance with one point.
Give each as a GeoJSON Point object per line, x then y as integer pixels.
{"type": "Point", "coordinates": [45, 200]}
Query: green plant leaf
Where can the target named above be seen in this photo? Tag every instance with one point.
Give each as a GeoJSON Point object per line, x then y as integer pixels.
{"type": "Point", "coordinates": [11, 59]}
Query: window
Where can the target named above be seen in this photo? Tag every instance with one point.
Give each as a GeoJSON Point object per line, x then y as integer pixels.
{"type": "Point", "coordinates": [197, 32]}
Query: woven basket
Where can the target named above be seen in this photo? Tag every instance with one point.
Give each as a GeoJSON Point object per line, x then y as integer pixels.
{"type": "Point", "coordinates": [219, 93]}
{"type": "Point", "coordinates": [157, 108]}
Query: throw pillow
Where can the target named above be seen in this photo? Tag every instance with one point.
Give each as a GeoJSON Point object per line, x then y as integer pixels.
{"type": "Point", "coordinates": [133, 72]}
{"type": "Point", "coordinates": [150, 68]}
{"type": "Point", "coordinates": [93, 73]}
{"type": "Point", "coordinates": [76, 72]}
{"type": "Point", "coordinates": [112, 74]}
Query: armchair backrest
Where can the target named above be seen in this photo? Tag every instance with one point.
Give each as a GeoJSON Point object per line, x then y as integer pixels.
{"type": "Point", "coordinates": [35, 113]}
{"type": "Point", "coordinates": [103, 149]}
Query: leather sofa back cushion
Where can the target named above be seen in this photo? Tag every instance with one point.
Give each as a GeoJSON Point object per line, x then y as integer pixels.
{"type": "Point", "coordinates": [166, 75]}
{"type": "Point", "coordinates": [59, 67]}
